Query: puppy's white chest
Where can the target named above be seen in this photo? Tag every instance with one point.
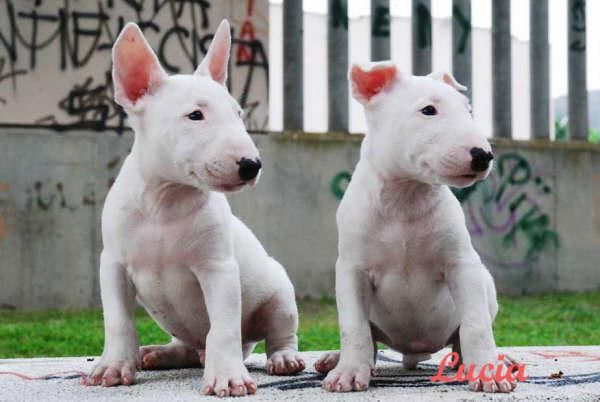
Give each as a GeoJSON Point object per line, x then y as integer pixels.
{"type": "Point", "coordinates": [159, 244]}
{"type": "Point", "coordinates": [398, 245]}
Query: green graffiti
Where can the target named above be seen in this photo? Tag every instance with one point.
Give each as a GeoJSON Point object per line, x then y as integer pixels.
{"type": "Point", "coordinates": [508, 206]}
{"type": "Point", "coordinates": [462, 194]}
{"type": "Point", "coordinates": [338, 14]}
{"type": "Point", "coordinates": [424, 26]}
{"type": "Point", "coordinates": [339, 182]}
{"type": "Point", "coordinates": [535, 229]}
{"type": "Point", "coordinates": [465, 24]}
{"type": "Point", "coordinates": [380, 22]}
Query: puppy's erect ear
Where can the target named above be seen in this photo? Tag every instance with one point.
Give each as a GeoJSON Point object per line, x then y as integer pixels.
{"type": "Point", "coordinates": [366, 83]}
{"type": "Point", "coordinates": [214, 64]}
{"type": "Point", "coordinates": [136, 70]}
{"type": "Point", "coordinates": [448, 79]}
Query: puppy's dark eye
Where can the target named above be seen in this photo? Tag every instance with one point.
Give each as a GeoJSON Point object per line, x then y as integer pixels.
{"type": "Point", "coordinates": [196, 115]}
{"type": "Point", "coordinates": [429, 110]}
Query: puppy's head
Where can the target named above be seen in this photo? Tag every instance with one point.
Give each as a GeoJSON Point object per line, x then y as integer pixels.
{"type": "Point", "coordinates": [420, 127]}
{"type": "Point", "coordinates": [188, 128]}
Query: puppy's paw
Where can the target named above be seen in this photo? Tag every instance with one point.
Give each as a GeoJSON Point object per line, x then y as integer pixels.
{"type": "Point", "coordinates": [231, 381]}
{"type": "Point", "coordinates": [285, 362]}
{"type": "Point", "coordinates": [109, 373]}
{"type": "Point", "coordinates": [346, 378]}
{"type": "Point", "coordinates": [327, 362]}
{"type": "Point", "coordinates": [492, 386]}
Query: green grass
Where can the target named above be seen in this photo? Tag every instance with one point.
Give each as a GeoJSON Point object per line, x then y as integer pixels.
{"type": "Point", "coordinates": [553, 319]}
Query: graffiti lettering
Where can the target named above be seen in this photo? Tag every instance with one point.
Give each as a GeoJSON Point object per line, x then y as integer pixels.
{"type": "Point", "coordinates": [339, 182]}
{"type": "Point", "coordinates": [338, 14]}
{"type": "Point", "coordinates": [578, 26]}
{"type": "Point", "coordinates": [64, 48]}
{"type": "Point", "coordinates": [6, 212]}
{"type": "Point", "coordinates": [45, 197]}
{"type": "Point", "coordinates": [380, 22]}
{"type": "Point", "coordinates": [465, 25]}
{"type": "Point", "coordinates": [508, 206]}
{"type": "Point", "coordinates": [424, 26]}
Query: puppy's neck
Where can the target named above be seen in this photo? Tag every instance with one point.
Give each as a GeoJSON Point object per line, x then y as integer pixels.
{"type": "Point", "coordinates": [408, 200]}
{"type": "Point", "coordinates": [165, 201]}
{"type": "Point", "coordinates": [403, 198]}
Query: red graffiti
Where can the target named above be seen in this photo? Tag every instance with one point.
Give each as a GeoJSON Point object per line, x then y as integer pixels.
{"type": "Point", "coordinates": [555, 354]}
{"type": "Point", "coordinates": [244, 52]}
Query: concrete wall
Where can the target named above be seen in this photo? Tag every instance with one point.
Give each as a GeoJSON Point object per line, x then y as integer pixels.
{"type": "Point", "coordinates": [536, 221]}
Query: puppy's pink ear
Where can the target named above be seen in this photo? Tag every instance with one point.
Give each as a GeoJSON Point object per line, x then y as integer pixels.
{"type": "Point", "coordinates": [368, 83]}
{"type": "Point", "coordinates": [448, 79]}
{"type": "Point", "coordinates": [214, 64]}
{"type": "Point", "coordinates": [136, 70]}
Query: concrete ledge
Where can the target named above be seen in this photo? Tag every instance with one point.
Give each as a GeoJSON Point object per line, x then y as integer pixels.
{"type": "Point", "coordinates": [535, 221]}
{"type": "Point", "coordinates": [580, 380]}
{"type": "Point", "coordinates": [329, 136]}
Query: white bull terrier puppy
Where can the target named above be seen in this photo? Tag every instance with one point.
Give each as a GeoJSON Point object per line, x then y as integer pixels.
{"type": "Point", "coordinates": [407, 274]}
{"type": "Point", "coordinates": [170, 239]}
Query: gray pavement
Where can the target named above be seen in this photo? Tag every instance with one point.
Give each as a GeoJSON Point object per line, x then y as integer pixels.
{"type": "Point", "coordinates": [580, 380]}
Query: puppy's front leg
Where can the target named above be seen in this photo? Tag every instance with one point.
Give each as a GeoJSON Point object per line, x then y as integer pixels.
{"type": "Point", "coordinates": [353, 294]}
{"type": "Point", "coordinates": [468, 285]}
{"type": "Point", "coordinates": [224, 370]}
{"type": "Point", "coordinates": [120, 356]}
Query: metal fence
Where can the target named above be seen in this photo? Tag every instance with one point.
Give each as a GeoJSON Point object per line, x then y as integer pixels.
{"type": "Point", "coordinates": [461, 60]}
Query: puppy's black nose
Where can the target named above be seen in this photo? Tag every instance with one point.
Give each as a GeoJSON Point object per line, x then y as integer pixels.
{"type": "Point", "coordinates": [248, 168]}
{"type": "Point", "coordinates": [481, 159]}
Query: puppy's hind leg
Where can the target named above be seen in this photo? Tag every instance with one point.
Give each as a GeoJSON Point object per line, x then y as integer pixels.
{"type": "Point", "coordinates": [329, 360]}
{"type": "Point", "coordinates": [175, 354]}
{"type": "Point", "coordinates": [247, 349]}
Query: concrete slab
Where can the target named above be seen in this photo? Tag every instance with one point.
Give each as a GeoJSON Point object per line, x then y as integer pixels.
{"type": "Point", "coordinates": [580, 380]}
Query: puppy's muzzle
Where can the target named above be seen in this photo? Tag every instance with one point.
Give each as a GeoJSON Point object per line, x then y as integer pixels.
{"type": "Point", "coordinates": [248, 168]}
{"type": "Point", "coordinates": [481, 159]}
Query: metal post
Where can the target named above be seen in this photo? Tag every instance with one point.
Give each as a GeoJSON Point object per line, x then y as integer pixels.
{"type": "Point", "coordinates": [292, 65]}
{"type": "Point", "coordinates": [380, 30]}
{"type": "Point", "coordinates": [461, 44]}
{"type": "Point", "coordinates": [337, 62]}
{"type": "Point", "coordinates": [578, 111]}
{"type": "Point", "coordinates": [421, 37]}
{"type": "Point", "coordinates": [501, 64]}
{"type": "Point", "coordinates": [539, 74]}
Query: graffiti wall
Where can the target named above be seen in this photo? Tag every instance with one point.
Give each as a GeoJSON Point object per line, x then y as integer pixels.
{"type": "Point", "coordinates": [55, 55]}
{"type": "Point", "coordinates": [511, 218]}
{"type": "Point", "coordinates": [512, 210]}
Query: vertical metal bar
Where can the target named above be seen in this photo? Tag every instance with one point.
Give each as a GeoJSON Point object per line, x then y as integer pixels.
{"type": "Point", "coordinates": [461, 44]}
{"type": "Point", "coordinates": [421, 37]}
{"type": "Point", "coordinates": [501, 64]}
{"type": "Point", "coordinates": [539, 74]}
{"type": "Point", "coordinates": [337, 62]}
{"type": "Point", "coordinates": [380, 30]}
{"type": "Point", "coordinates": [578, 111]}
{"type": "Point", "coordinates": [293, 109]}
